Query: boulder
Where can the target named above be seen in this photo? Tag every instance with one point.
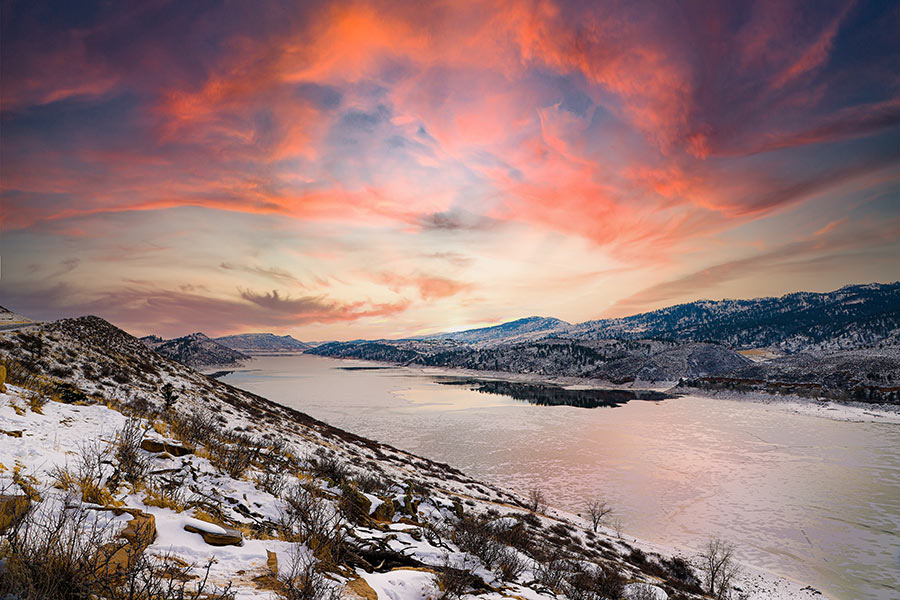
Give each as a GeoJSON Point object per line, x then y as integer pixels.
{"type": "Point", "coordinates": [384, 511]}
{"type": "Point", "coordinates": [157, 446]}
{"type": "Point", "coordinates": [361, 589]}
{"type": "Point", "coordinates": [356, 499]}
{"type": "Point", "coordinates": [141, 529]}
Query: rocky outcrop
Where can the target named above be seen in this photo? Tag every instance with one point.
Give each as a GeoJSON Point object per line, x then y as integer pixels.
{"type": "Point", "coordinates": [213, 534]}
{"type": "Point", "coordinates": [158, 446]}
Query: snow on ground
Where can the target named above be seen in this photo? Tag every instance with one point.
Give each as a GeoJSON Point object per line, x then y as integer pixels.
{"type": "Point", "coordinates": [857, 412]}
{"type": "Point", "coordinates": [402, 584]}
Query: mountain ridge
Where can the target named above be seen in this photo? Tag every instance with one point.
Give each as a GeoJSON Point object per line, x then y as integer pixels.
{"type": "Point", "coordinates": [794, 322]}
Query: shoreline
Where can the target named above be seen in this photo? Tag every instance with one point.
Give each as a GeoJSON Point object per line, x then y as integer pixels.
{"type": "Point", "coordinates": [857, 412]}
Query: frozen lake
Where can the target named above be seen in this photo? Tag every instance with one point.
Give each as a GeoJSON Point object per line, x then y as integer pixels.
{"type": "Point", "coordinates": [808, 498]}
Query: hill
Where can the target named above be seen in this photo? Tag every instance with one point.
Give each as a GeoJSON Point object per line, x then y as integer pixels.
{"type": "Point", "coordinates": [262, 342]}
{"type": "Point", "coordinates": [195, 350]}
{"type": "Point", "coordinates": [514, 331]}
{"type": "Point", "coordinates": [852, 317]}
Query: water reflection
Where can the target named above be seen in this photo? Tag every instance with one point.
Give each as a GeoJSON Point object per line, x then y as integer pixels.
{"type": "Point", "coordinates": [544, 394]}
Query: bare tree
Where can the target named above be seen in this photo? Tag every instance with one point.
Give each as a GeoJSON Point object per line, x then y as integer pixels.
{"type": "Point", "coordinates": [597, 510]}
{"type": "Point", "coordinates": [537, 502]}
{"type": "Point", "coordinates": [719, 567]}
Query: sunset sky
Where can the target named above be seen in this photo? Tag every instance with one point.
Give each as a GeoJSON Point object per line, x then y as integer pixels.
{"type": "Point", "coordinates": [378, 169]}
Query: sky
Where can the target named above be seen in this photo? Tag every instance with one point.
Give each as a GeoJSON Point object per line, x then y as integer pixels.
{"type": "Point", "coordinates": [341, 170]}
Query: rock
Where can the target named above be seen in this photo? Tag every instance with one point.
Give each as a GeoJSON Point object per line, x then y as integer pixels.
{"type": "Point", "coordinates": [114, 560]}
{"type": "Point", "coordinates": [213, 534]}
{"type": "Point", "coordinates": [385, 511]}
{"type": "Point", "coordinates": [272, 562]}
{"type": "Point", "coordinates": [361, 588]}
{"type": "Point", "coordinates": [2, 378]}
{"type": "Point", "coordinates": [357, 499]}
{"type": "Point", "coordinates": [141, 529]}
{"type": "Point", "coordinates": [16, 434]}
{"type": "Point", "coordinates": [12, 509]}
{"type": "Point", "coordinates": [156, 446]}
{"type": "Point", "coordinates": [410, 506]}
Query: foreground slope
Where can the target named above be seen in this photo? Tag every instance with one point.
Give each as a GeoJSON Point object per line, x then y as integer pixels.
{"type": "Point", "coordinates": [162, 479]}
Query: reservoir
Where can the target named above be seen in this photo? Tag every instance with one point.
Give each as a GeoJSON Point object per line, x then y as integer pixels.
{"type": "Point", "coordinates": [809, 498]}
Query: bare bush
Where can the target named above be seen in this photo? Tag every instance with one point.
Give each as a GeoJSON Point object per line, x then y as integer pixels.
{"type": "Point", "coordinates": [642, 591]}
{"type": "Point", "coordinates": [551, 572]}
{"type": "Point", "coordinates": [132, 464]}
{"type": "Point", "coordinates": [719, 567]}
{"type": "Point", "coordinates": [168, 578]}
{"type": "Point", "coordinates": [304, 579]}
{"type": "Point", "coordinates": [326, 465]}
{"type": "Point", "coordinates": [307, 517]}
{"type": "Point", "coordinates": [454, 581]}
{"type": "Point", "coordinates": [60, 552]}
{"type": "Point", "coordinates": [168, 491]}
{"type": "Point", "coordinates": [237, 453]}
{"type": "Point", "coordinates": [478, 537]}
{"type": "Point", "coordinates": [272, 482]}
{"type": "Point", "coordinates": [510, 565]}
{"type": "Point", "coordinates": [598, 510]}
{"type": "Point", "coordinates": [372, 484]}
{"type": "Point", "coordinates": [196, 427]}
{"type": "Point", "coordinates": [595, 583]}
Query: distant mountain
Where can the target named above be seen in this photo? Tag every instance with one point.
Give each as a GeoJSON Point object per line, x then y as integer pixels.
{"type": "Point", "coordinates": [852, 317]}
{"type": "Point", "coordinates": [194, 350]}
{"type": "Point", "coordinates": [262, 342]}
{"type": "Point", "coordinates": [608, 360]}
{"type": "Point", "coordinates": [520, 330]}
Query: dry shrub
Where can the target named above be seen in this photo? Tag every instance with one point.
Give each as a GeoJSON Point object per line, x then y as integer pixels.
{"type": "Point", "coordinates": [551, 571]}
{"type": "Point", "coordinates": [595, 583]}
{"type": "Point", "coordinates": [167, 491]}
{"type": "Point", "coordinates": [236, 453]}
{"type": "Point", "coordinates": [132, 463]}
{"type": "Point", "coordinates": [326, 465]}
{"type": "Point", "coordinates": [305, 516]}
{"type": "Point", "coordinates": [304, 579]}
{"type": "Point", "coordinates": [194, 428]}
{"type": "Point", "coordinates": [510, 565]}
{"type": "Point", "coordinates": [454, 581]}
{"type": "Point", "coordinates": [478, 536]}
